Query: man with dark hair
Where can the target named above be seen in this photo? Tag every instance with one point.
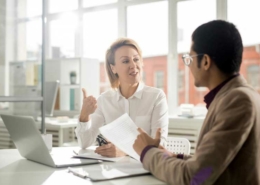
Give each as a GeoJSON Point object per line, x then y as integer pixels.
{"type": "Point", "coordinates": [228, 146]}
{"type": "Point", "coordinates": [222, 42]}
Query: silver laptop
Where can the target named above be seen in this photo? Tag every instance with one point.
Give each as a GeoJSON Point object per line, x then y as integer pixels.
{"type": "Point", "coordinates": [30, 144]}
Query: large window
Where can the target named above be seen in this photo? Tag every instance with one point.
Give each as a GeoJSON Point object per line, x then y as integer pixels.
{"type": "Point", "coordinates": [20, 56]}
{"type": "Point", "coordinates": [149, 29]}
{"type": "Point", "coordinates": [253, 76]}
{"type": "Point", "coordinates": [62, 5]}
{"type": "Point", "coordinates": [100, 30]}
{"type": "Point", "coordinates": [245, 15]}
{"type": "Point", "coordinates": [249, 27]}
{"type": "Point", "coordinates": [29, 8]}
{"type": "Point", "coordinates": [29, 40]}
{"type": "Point", "coordinates": [86, 28]}
{"type": "Point", "coordinates": [91, 3]}
{"type": "Point", "coordinates": [190, 15]}
{"type": "Point", "coordinates": [63, 36]}
{"type": "Point", "coordinates": [159, 79]}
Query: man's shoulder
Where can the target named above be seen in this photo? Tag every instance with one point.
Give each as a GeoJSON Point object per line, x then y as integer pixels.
{"type": "Point", "coordinates": [238, 96]}
{"type": "Point", "coordinates": [243, 92]}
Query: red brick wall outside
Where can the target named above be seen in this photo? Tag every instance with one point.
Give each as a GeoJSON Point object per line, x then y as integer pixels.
{"type": "Point", "coordinates": [153, 64]}
{"type": "Point", "coordinates": [251, 56]}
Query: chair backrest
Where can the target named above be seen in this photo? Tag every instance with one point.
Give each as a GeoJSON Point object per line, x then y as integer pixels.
{"type": "Point", "coordinates": [186, 128]}
{"type": "Point", "coordinates": [178, 145]}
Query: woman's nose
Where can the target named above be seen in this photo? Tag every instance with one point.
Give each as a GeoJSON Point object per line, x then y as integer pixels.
{"type": "Point", "coordinates": [132, 64]}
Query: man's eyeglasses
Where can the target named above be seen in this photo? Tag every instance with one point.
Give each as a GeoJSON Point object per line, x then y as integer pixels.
{"type": "Point", "coordinates": [187, 58]}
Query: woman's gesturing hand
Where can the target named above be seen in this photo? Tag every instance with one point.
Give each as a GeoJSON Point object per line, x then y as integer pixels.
{"type": "Point", "coordinates": [88, 107]}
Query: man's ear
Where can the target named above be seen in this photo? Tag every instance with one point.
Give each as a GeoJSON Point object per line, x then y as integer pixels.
{"type": "Point", "coordinates": [113, 68]}
{"type": "Point", "coordinates": [206, 62]}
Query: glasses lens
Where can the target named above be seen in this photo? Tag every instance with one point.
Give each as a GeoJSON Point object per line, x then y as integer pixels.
{"type": "Point", "coordinates": [187, 60]}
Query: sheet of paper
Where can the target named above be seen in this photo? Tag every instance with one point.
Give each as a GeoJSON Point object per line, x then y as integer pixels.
{"type": "Point", "coordinates": [114, 170]}
{"type": "Point", "coordinates": [90, 154]}
{"type": "Point", "coordinates": [97, 156]}
{"type": "Point", "coordinates": [122, 132]}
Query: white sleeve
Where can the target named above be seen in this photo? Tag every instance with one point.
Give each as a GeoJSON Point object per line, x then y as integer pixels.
{"type": "Point", "coordinates": [87, 132]}
{"type": "Point", "coordinates": [160, 118]}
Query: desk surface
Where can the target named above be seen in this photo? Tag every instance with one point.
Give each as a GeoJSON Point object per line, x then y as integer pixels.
{"type": "Point", "coordinates": [15, 170]}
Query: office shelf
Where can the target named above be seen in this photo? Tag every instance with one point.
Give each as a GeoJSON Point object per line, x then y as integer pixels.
{"type": "Point", "coordinates": [87, 76]}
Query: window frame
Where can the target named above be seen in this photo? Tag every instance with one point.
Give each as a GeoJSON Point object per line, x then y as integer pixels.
{"type": "Point", "coordinates": [121, 6]}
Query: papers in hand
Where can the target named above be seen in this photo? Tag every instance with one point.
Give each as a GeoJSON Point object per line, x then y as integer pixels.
{"type": "Point", "coordinates": [122, 132]}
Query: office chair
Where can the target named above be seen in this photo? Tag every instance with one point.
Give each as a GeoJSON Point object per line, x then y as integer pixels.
{"type": "Point", "coordinates": [178, 145]}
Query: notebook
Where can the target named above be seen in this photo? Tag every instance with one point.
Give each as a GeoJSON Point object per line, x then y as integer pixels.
{"type": "Point", "coordinates": [112, 171]}
{"type": "Point", "coordinates": [90, 154]}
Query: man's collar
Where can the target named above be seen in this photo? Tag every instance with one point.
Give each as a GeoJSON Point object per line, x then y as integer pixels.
{"type": "Point", "coordinates": [138, 93]}
{"type": "Point", "coordinates": [211, 95]}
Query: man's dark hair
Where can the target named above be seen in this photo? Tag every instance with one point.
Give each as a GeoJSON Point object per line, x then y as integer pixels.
{"type": "Point", "coordinates": [222, 42]}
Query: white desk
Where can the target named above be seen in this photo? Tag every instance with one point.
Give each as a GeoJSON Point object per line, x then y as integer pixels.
{"type": "Point", "coordinates": [15, 170]}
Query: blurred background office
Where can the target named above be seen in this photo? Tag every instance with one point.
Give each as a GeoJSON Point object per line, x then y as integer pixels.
{"type": "Point", "coordinates": [70, 39]}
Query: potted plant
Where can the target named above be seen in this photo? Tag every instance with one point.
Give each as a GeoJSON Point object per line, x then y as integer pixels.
{"type": "Point", "coordinates": [73, 77]}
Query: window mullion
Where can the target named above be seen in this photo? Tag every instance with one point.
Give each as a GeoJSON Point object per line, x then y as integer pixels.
{"type": "Point", "coordinates": [172, 60]}
{"type": "Point", "coordinates": [221, 9]}
{"type": "Point", "coordinates": [122, 24]}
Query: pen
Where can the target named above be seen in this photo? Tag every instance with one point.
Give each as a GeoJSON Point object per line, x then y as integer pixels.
{"type": "Point", "coordinates": [75, 152]}
{"type": "Point", "coordinates": [78, 173]}
{"type": "Point", "coordinates": [101, 140]}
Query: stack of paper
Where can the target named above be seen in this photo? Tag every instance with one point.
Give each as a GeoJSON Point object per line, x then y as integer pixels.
{"type": "Point", "coordinates": [114, 170]}
{"type": "Point", "coordinates": [122, 132]}
{"type": "Point", "coordinates": [92, 155]}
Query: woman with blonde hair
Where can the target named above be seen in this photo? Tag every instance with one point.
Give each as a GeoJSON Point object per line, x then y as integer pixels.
{"type": "Point", "coordinates": [147, 106]}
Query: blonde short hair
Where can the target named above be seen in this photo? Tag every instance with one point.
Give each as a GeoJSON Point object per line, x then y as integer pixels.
{"type": "Point", "coordinates": [110, 58]}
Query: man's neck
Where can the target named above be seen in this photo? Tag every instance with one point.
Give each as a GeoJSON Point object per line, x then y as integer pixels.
{"type": "Point", "coordinates": [214, 82]}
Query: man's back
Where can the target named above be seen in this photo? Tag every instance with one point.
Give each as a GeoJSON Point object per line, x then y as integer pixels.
{"type": "Point", "coordinates": [227, 148]}
{"type": "Point", "coordinates": [235, 111]}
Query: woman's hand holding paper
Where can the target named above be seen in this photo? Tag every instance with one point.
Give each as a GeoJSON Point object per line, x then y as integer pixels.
{"type": "Point", "coordinates": [109, 150]}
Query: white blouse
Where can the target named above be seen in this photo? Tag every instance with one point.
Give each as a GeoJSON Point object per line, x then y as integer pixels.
{"type": "Point", "coordinates": [147, 107]}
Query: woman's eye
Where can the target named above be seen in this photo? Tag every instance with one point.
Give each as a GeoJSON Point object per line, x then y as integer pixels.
{"type": "Point", "coordinates": [125, 61]}
{"type": "Point", "coordinates": [136, 59]}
